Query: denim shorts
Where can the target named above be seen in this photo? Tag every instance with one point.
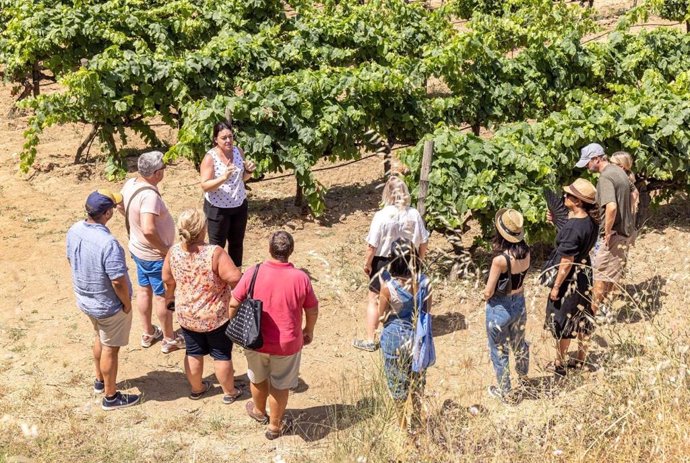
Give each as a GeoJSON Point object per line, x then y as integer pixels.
{"type": "Point", "coordinates": [214, 343]}
{"type": "Point", "coordinates": [150, 273]}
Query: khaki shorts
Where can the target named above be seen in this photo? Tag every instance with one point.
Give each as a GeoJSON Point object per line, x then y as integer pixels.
{"type": "Point", "coordinates": [609, 261]}
{"type": "Point", "coordinates": [282, 370]}
{"type": "Point", "coordinates": [114, 330]}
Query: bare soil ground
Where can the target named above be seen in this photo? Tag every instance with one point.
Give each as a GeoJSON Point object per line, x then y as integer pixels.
{"type": "Point", "coordinates": [47, 410]}
{"type": "Point", "coordinates": [45, 355]}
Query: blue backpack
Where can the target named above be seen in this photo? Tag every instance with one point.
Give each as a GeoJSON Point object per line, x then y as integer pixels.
{"type": "Point", "coordinates": [423, 351]}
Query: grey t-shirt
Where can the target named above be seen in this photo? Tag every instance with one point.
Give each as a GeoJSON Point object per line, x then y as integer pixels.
{"type": "Point", "coordinates": [614, 187]}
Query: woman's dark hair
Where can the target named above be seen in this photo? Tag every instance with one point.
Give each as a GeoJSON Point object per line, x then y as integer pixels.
{"type": "Point", "coordinates": [220, 126]}
{"type": "Point", "coordinates": [517, 250]}
{"type": "Point", "coordinates": [593, 211]}
{"type": "Point", "coordinates": [404, 258]}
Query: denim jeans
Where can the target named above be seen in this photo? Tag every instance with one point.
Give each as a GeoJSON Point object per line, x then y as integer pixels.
{"type": "Point", "coordinates": [396, 347]}
{"type": "Point", "coordinates": [506, 318]}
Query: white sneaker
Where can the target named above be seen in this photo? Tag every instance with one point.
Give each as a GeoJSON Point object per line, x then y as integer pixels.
{"type": "Point", "coordinates": [148, 339]}
{"type": "Point", "coordinates": [172, 345]}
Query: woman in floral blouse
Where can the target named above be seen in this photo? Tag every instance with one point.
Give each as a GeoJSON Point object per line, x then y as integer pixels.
{"type": "Point", "coordinates": [198, 278]}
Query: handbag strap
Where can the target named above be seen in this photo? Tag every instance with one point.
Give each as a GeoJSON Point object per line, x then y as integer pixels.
{"type": "Point", "coordinates": [510, 272]}
{"type": "Point", "coordinates": [129, 203]}
{"type": "Point", "coordinates": [250, 295]}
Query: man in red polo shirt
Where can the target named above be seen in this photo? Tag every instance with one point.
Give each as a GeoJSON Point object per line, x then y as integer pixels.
{"type": "Point", "coordinates": [273, 369]}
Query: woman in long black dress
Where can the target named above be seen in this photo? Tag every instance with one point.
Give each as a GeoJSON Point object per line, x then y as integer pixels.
{"type": "Point", "coordinates": [569, 308]}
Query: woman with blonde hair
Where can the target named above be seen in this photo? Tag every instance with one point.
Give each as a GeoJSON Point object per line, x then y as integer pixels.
{"type": "Point", "coordinates": [396, 220]}
{"type": "Point", "coordinates": [198, 278]}
{"type": "Point", "coordinates": [624, 160]}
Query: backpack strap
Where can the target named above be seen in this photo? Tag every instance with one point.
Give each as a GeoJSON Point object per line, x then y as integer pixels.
{"type": "Point", "coordinates": [422, 293]}
{"type": "Point", "coordinates": [129, 203]}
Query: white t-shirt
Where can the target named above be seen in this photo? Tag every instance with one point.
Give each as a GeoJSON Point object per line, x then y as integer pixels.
{"type": "Point", "coordinates": [147, 202]}
{"type": "Point", "coordinates": [391, 223]}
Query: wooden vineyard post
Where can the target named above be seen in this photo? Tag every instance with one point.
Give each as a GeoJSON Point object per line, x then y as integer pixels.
{"type": "Point", "coordinates": [424, 176]}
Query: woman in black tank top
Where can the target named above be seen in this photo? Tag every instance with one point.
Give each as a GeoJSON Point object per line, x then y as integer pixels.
{"type": "Point", "coordinates": [506, 315]}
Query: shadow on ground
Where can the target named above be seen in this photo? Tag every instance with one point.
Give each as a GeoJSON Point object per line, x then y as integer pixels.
{"type": "Point", "coordinates": [640, 301]}
{"type": "Point", "coordinates": [448, 323]}
{"type": "Point", "coordinates": [675, 214]}
{"type": "Point", "coordinates": [315, 423]}
{"type": "Point", "coordinates": [341, 202]}
{"type": "Point", "coordinates": [165, 386]}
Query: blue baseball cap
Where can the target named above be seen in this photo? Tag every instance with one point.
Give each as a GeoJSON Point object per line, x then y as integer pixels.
{"type": "Point", "coordinates": [101, 201]}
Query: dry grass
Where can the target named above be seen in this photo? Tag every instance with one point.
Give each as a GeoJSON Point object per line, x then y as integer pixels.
{"type": "Point", "coordinates": [634, 407]}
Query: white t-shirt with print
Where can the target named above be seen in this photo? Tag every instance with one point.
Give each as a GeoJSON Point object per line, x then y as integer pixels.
{"type": "Point", "coordinates": [391, 223]}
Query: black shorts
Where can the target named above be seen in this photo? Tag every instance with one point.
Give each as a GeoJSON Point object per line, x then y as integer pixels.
{"type": "Point", "coordinates": [215, 343]}
{"type": "Point", "coordinates": [377, 264]}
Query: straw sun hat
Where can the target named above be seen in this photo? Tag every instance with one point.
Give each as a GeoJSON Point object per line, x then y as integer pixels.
{"type": "Point", "coordinates": [509, 224]}
{"type": "Point", "coordinates": [583, 190]}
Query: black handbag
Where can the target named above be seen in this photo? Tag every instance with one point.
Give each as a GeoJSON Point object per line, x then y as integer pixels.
{"type": "Point", "coordinates": [505, 285]}
{"type": "Point", "coordinates": [549, 270]}
{"type": "Point", "coordinates": [244, 328]}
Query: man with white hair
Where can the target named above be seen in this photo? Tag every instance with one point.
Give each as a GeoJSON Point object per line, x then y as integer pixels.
{"type": "Point", "coordinates": [151, 231]}
{"type": "Point", "coordinates": [617, 224]}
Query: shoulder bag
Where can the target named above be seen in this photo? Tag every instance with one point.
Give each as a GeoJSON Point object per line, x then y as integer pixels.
{"type": "Point", "coordinates": [129, 203]}
{"type": "Point", "coordinates": [423, 350]}
{"type": "Point", "coordinates": [505, 285]}
{"type": "Point", "coordinates": [549, 270]}
{"type": "Point", "coordinates": [244, 328]}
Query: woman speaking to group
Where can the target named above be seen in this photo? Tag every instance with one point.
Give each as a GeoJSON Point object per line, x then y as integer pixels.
{"type": "Point", "coordinates": [224, 170]}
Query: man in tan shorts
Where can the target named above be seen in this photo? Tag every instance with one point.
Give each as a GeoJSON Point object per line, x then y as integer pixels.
{"type": "Point", "coordinates": [617, 225]}
{"type": "Point", "coordinates": [290, 310]}
{"type": "Point", "coordinates": [103, 291]}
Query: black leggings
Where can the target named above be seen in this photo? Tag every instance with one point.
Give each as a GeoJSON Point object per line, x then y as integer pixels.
{"type": "Point", "coordinates": [227, 225]}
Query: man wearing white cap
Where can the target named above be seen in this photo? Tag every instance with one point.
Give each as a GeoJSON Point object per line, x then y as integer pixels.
{"type": "Point", "coordinates": [617, 224]}
{"type": "Point", "coordinates": [151, 231]}
{"type": "Point", "coordinates": [103, 291]}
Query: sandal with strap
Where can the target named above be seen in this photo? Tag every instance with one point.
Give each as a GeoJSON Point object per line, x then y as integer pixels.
{"type": "Point", "coordinates": [285, 428]}
{"type": "Point", "coordinates": [231, 398]}
{"type": "Point", "coordinates": [200, 394]}
{"type": "Point", "coordinates": [575, 364]}
{"type": "Point", "coordinates": [258, 417]}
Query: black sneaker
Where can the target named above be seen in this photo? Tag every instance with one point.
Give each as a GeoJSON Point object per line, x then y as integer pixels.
{"type": "Point", "coordinates": [98, 387]}
{"type": "Point", "coordinates": [120, 401]}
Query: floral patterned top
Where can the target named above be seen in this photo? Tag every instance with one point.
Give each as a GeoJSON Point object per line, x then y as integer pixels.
{"type": "Point", "coordinates": [201, 296]}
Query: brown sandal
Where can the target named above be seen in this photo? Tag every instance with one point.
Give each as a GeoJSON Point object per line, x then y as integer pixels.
{"type": "Point", "coordinates": [258, 417]}
{"type": "Point", "coordinates": [575, 364]}
{"type": "Point", "coordinates": [285, 428]}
